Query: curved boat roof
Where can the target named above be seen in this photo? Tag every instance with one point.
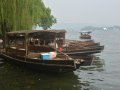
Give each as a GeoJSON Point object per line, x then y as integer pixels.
{"type": "Point", "coordinates": [85, 32]}
{"type": "Point", "coordinates": [35, 31]}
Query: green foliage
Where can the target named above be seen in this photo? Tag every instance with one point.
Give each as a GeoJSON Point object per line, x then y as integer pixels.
{"type": "Point", "coordinates": [23, 14]}
{"type": "Point", "coordinates": [47, 20]}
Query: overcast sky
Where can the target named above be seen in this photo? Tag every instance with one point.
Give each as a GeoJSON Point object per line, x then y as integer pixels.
{"type": "Point", "coordinates": [105, 12]}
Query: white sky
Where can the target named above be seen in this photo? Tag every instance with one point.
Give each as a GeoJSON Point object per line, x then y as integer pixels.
{"type": "Point", "coordinates": [105, 12]}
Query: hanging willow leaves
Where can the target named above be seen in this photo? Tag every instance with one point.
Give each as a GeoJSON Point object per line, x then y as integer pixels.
{"type": "Point", "coordinates": [23, 15]}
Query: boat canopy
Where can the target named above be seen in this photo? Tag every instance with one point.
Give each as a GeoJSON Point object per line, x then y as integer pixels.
{"type": "Point", "coordinates": [85, 32]}
{"type": "Point", "coordinates": [23, 32]}
{"type": "Point", "coordinates": [37, 37]}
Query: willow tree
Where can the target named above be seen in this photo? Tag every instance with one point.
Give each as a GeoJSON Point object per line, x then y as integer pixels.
{"type": "Point", "coordinates": [46, 23]}
{"type": "Point", "coordinates": [23, 15]}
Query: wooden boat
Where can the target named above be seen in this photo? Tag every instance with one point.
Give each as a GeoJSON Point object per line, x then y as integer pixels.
{"type": "Point", "coordinates": [76, 47]}
{"type": "Point", "coordinates": [32, 49]}
{"type": "Point", "coordinates": [84, 50]}
{"type": "Point", "coordinates": [85, 35]}
{"type": "Point", "coordinates": [84, 46]}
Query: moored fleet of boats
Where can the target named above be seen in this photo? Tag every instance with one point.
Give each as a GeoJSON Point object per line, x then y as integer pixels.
{"type": "Point", "coordinates": [48, 50]}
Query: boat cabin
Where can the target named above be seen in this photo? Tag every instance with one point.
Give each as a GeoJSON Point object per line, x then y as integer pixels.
{"type": "Point", "coordinates": [33, 43]}
{"type": "Point", "coordinates": [85, 35]}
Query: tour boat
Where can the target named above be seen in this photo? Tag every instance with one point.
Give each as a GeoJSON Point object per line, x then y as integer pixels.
{"type": "Point", "coordinates": [39, 50]}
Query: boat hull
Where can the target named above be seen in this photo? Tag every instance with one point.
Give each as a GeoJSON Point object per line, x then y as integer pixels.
{"type": "Point", "coordinates": [57, 66]}
{"type": "Point", "coordinates": [87, 51]}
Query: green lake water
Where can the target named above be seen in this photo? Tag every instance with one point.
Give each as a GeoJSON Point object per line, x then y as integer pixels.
{"type": "Point", "coordinates": [103, 74]}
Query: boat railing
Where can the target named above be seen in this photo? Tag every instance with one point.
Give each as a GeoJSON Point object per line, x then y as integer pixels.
{"type": "Point", "coordinates": [15, 51]}
{"type": "Point", "coordinates": [38, 48]}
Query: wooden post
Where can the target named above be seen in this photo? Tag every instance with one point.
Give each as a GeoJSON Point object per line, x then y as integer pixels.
{"type": "Point", "coordinates": [26, 46]}
{"type": "Point", "coordinates": [64, 38]}
{"type": "Point", "coordinates": [55, 42]}
{"type": "Point", "coordinates": [44, 42]}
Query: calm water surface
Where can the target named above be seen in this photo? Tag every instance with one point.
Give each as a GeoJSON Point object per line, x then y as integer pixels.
{"type": "Point", "coordinates": [103, 74]}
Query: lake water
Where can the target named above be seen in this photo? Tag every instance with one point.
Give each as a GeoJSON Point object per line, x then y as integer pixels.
{"type": "Point", "coordinates": [103, 74]}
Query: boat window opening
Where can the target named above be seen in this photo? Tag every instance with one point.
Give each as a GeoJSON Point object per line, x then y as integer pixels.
{"type": "Point", "coordinates": [20, 42]}
{"type": "Point", "coordinates": [11, 42]}
{"type": "Point", "coordinates": [60, 42]}
{"type": "Point", "coordinates": [41, 42]}
{"type": "Point", "coordinates": [36, 41]}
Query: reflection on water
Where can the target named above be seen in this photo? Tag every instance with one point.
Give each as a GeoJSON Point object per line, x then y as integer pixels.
{"type": "Point", "coordinates": [16, 78]}
{"type": "Point", "coordinates": [91, 75]}
{"type": "Point", "coordinates": [1, 62]}
{"type": "Point", "coordinates": [97, 64]}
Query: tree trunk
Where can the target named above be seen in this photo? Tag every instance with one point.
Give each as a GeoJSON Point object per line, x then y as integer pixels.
{"type": "Point", "coordinates": [4, 29]}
